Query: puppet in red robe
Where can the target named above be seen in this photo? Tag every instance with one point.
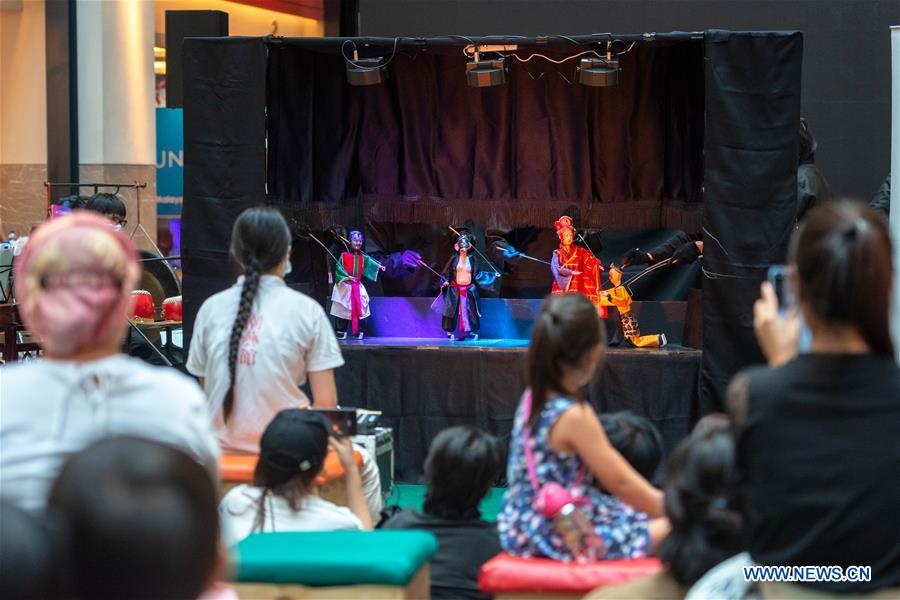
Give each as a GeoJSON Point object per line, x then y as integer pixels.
{"type": "Point", "coordinates": [349, 299]}
{"type": "Point", "coordinates": [575, 269]}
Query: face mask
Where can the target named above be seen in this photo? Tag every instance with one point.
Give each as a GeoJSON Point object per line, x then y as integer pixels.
{"type": "Point", "coordinates": [117, 226]}
{"type": "Point", "coordinates": [288, 268]}
{"type": "Point", "coordinates": [805, 341]}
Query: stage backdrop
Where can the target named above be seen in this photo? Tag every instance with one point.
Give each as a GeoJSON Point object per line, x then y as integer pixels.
{"type": "Point", "coordinates": [425, 148]}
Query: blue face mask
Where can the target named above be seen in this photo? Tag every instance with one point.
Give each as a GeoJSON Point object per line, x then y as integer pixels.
{"type": "Point", "coordinates": [288, 268]}
{"type": "Point", "coordinates": [805, 339]}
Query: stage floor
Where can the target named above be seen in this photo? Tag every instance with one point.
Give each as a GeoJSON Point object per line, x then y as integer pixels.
{"type": "Point", "coordinates": [425, 385]}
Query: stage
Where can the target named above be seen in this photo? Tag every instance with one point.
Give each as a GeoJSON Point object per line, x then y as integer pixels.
{"type": "Point", "coordinates": [425, 385]}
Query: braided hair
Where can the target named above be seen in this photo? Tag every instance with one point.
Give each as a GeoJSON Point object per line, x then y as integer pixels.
{"type": "Point", "coordinates": [260, 240]}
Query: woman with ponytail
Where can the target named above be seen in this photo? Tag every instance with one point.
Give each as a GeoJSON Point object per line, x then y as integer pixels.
{"type": "Point", "coordinates": [257, 342]}
{"type": "Point", "coordinates": [559, 444]}
{"type": "Point", "coordinates": [819, 431]}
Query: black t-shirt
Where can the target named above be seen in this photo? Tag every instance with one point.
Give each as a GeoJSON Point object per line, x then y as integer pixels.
{"type": "Point", "coordinates": [820, 455]}
{"type": "Point", "coordinates": [463, 546]}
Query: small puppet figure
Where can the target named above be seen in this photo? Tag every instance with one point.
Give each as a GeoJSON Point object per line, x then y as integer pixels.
{"type": "Point", "coordinates": [460, 315]}
{"type": "Point", "coordinates": [575, 269]}
{"type": "Point", "coordinates": [620, 297]}
{"type": "Point", "coordinates": [349, 299]}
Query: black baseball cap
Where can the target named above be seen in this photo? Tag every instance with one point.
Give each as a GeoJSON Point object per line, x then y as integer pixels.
{"type": "Point", "coordinates": [295, 441]}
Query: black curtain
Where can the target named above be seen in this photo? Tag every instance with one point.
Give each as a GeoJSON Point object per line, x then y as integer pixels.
{"type": "Point", "coordinates": [750, 198]}
{"type": "Point", "coordinates": [225, 161]}
{"type": "Point", "coordinates": [423, 147]}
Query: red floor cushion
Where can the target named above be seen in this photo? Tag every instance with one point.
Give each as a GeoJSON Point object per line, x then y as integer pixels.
{"type": "Point", "coordinates": [506, 573]}
{"type": "Point", "coordinates": [238, 468]}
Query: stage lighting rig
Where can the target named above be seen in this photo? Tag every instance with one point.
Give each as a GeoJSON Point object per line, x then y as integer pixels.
{"type": "Point", "coordinates": [485, 73]}
{"type": "Point", "coordinates": [599, 72]}
{"type": "Point", "coordinates": [366, 71]}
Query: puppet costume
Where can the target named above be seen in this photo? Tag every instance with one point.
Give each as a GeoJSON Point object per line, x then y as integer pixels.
{"type": "Point", "coordinates": [460, 316]}
{"type": "Point", "coordinates": [619, 297]}
{"type": "Point", "coordinates": [349, 299]}
{"type": "Point", "coordinates": [584, 266]}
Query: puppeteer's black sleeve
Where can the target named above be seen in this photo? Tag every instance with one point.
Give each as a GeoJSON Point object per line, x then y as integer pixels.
{"type": "Point", "coordinates": [668, 248]}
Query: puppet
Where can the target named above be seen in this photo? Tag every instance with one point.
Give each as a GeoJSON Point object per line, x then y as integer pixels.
{"type": "Point", "coordinates": [620, 297]}
{"type": "Point", "coordinates": [460, 315]}
{"type": "Point", "coordinates": [349, 299]}
{"type": "Point", "coordinates": [575, 269]}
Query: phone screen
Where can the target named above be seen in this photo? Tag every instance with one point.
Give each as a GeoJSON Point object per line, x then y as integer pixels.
{"type": "Point", "coordinates": [778, 277]}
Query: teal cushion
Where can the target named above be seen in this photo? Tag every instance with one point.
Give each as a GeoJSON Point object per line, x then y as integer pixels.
{"type": "Point", "coordinates": [334, 557]}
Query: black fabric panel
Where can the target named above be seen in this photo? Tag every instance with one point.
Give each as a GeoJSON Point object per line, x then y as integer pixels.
{"type": "Point", "coordinates": [225, 161]}
{"type": "Point", "coordinates": [750, 149]}
{"type": "Point", "coordinates": [423, 390]}
{"type": "Point", "coordinates": [423, 147]}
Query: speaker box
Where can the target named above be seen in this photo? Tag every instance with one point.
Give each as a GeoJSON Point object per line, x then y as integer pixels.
{"type": "Point", "coordinates": [182, 24]}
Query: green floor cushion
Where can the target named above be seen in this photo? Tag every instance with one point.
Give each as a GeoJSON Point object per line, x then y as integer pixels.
{"type": "Point", "coordinates": [323, 558]}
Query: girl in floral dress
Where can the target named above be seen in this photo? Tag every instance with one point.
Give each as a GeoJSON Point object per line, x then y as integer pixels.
{"type": "Point", "coordinates": [568, 447]}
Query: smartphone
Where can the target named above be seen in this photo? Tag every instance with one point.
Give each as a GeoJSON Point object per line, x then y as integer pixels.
{"type": "Point", "coordinates": [780, 280]}
{"type": "Point", "coordinates": [343, 420]}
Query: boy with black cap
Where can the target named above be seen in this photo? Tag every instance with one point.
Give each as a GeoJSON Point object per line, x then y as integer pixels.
{"type": "Point", "coordinates": [284, 495]}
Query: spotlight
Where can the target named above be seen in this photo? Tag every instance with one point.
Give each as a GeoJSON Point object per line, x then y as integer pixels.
{"type": "Point", "coordinates": [598, 72]}
{"type": "Point", "coordinates": [485, 73]}
{"type": "Point", "coordinates": [364, 71]}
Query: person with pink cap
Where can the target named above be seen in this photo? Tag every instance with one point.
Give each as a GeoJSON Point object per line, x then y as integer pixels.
{"type": "Point", "coordinates": [73, 284]}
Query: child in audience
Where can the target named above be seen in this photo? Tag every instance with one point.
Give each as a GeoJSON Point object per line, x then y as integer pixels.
{"type": "Point", "coordinates": [257, 342]}
{"type": "Point", "coordinates": [73, 284]}
{"type": "Point", "coordinates": [141, 521]}
{"type": "Point", "coordinates": [284, 495]}
{"type": "Point", "coordinates": [636, 439]}
{"type": "Point", "coordinates": [32, 556]}
{"type": "Point", "coordinates": [461, 466]}
{"type": "Point", "coordinates": [703, 504]}
{"type": "Point", "coordinates": [566, 443]}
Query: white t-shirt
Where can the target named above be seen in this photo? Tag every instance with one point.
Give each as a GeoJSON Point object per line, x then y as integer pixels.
{"type": "Point", "coordinates": [287, 336]}
{"type": "Point", "coordinates": [238, 514]}
{"type": "Point", "coordinates": [50, 409]}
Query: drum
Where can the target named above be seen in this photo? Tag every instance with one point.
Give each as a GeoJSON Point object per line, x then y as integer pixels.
{"type": "Point", "coordinates": [143, 311]}
{"type": "Point", "coordinates": [172, 308]}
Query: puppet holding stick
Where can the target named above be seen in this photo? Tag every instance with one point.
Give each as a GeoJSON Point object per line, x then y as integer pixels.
{"type": "Point", "coordinates": [349, 299]}
{"type": "Point", "coordinates": [575, 269]}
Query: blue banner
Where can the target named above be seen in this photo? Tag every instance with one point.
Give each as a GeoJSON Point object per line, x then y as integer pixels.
{"type": "Point", "coordinates": [169, 153]}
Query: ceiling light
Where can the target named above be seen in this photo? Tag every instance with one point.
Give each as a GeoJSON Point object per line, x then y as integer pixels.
{"type": "Point", "coordinates": [365, 71]}
{"type": "Point", "coordinates": [485, 73]}
{"type": "Point", "coordinates": [599, 72]}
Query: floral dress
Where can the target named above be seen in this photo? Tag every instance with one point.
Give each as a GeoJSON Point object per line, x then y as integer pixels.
{"type": "Point", "coordinates": [525, 532]}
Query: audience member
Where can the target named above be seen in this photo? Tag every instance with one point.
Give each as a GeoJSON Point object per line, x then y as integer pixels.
{"type": "Point", "coordinates": [73, 285]}
{"type": "Point", "coordinates": [257, 342]}
{"type": "Point", "coordinates": [32, 555]}
{"type": "Point", "coordinates": [636, 439]}
{"type": "Point", "coordinates": [252, 365]}
{"type": "Point", "coordinates": [565, 441]}
{"type": "Point", "coordinates": [818, 431]}
{"type": "Point", "coordinates": [704, 507]}
{"type": "Point", "coordinates": [141, 521]}
{"type": "Point", "coordinates": [110, 206]}
{"type": "Point", "coordinates": [284, 495]}
{"type": "Point", "coordinates": [462, 464]}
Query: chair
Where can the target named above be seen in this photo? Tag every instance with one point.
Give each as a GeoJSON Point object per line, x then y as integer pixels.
{"type": "Point", "coordinates": [510, 577]}
{"type": "Point", "coordinates": [381, 565]}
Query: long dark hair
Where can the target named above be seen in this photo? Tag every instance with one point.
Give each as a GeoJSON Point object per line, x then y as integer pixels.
{"type": "Point", "coordinates": [842, 255]}
{"type": "Point", "coordinates": [259, 242]}
{"type": "Point", "coordinates": [461, 466]}
{"type": "Point", "coordinates": [702, 503]}
{"type": "Point", "coordinates": [566, 329]}
{"type": "Point", "coordinates": [290, 484]}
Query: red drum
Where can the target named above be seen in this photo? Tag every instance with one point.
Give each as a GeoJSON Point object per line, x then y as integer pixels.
{"type": "Point", "coordinates": [172, 308]}
{"type": "Point", "coordinates": [143, 311]}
